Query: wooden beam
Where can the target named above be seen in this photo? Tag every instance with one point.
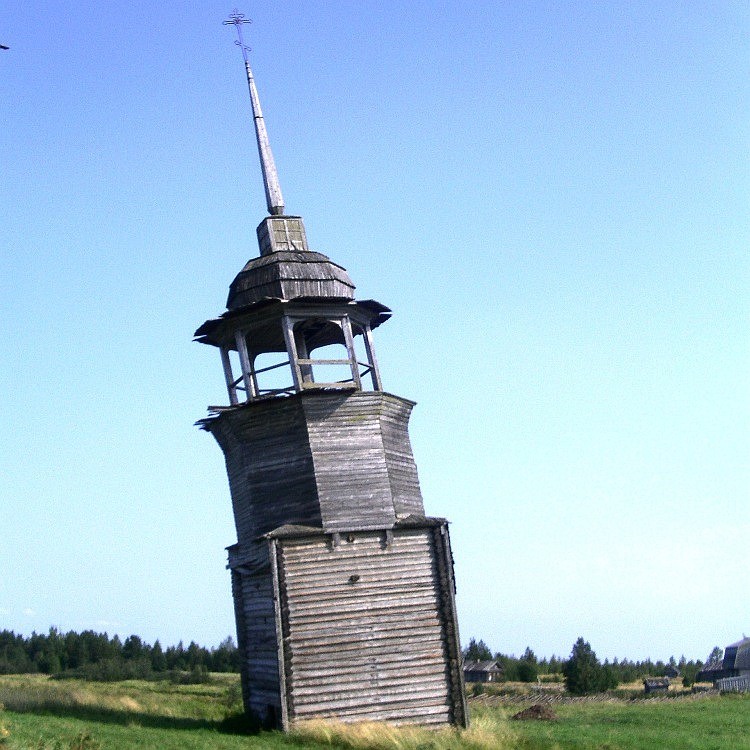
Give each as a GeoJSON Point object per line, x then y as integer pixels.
{"type": "Point", "coordinates": [304, 361]}
{"type": "Point", "coordinates": [291, 346]}
{"type": "Point", "coordinates": [280, 655]}
{"type": "Point", "coordinates": [346, 326]}
{"type": "Point", "coordinates": [241, 341]}
{"type": "Point", "coordinates": [231, 382]}
{"type": "Point", "coordinates": [370, 349]}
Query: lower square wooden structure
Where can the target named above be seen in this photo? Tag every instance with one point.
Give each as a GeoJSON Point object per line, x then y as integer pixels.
{"type": "Point", "coordinates": [353, 625]}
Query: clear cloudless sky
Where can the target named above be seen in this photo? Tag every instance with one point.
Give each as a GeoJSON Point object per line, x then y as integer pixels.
{"type": "Point", "coordinates": [553, 198]}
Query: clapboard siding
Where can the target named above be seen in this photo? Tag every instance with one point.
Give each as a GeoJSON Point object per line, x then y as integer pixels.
{"type": "Point", "coordinates": [402, 470]}
{"type": "Point", "coordinates": [350, 463]}
{"type": "Point", "coordinates": [332, 460]}
{"type": "Point", "coordinates": [343, 589]}
{"type": "Point", "coordinates": [270, 469]}
{"type": "Point", "coordinates": [377, 646]}
{"type": "Point", "coordinates": [257, 639]}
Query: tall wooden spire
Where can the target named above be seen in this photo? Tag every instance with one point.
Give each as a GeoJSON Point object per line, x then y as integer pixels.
{"type": "Point", "coordinates": [343, 588]}
{"type": "Point", "coordinates": [274, 199]}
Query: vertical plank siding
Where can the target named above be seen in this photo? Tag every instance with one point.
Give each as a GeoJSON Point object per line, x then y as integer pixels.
{"type": "Point", "coordinates": [365, 631]}
{"type": "Point", "coordinates": [734, 684]}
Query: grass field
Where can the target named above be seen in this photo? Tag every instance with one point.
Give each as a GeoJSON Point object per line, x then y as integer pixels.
{"type": "Point", "coordinates": [44, 714]}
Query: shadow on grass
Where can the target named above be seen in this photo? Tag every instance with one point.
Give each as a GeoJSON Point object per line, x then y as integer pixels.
{"type": "Point", "coordinates": [233, 724]}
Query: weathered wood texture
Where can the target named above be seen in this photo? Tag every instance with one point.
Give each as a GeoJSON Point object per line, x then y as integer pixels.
{"type": "Point", "coordinates": [281, 233]}
{"type": "Point", "coordinates": [262, 321]}
{"type": "Point", "coordinates": [334, 460]}
{"type": "Point", "coordinates": [483, 671]}
{"type": "Point", "coordinates": [734, 684]}
{"type": "Point", "coordinates": [343, 589]}
{"type": "Point", "coordinates": [274, 199]}
{"type": "Point", "coordinates": [288, 275]}
{"type": "Point", "coordinates": [366, 631]}
{"type": "Point", "coordinates": [257, 641]}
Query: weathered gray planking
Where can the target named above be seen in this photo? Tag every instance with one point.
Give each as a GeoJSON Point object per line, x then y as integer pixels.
{"type": "Point", "coordinates": [334, 460]}
{"type": "Point", "coordinates": [318, 644]}
{"type": "Point", "coordinates": [257, 635]}
{"type": "Point", "coordinates": [369, 631]}
{"type": "Point", "coordinates": [343, 590]}
{"type": "Point", "coordinates": [289, 275]}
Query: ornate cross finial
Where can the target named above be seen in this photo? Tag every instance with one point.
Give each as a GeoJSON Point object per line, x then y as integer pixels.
{"type": "Point", "coordinates": [274, 199]}
{"type": "Point", "coordinates": [237, 19]}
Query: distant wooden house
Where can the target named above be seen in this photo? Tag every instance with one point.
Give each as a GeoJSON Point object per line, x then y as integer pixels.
{"type": "Point", "coordinates": [483, 671]}
{"type": "Point", "coordinates": [671, 672]}
{"type": "Point", "coordinates": [735, 663]}
{"type": "Point", "coordinates": [712, 671]}
{"type": "Point", "coordinates": [656, 685]}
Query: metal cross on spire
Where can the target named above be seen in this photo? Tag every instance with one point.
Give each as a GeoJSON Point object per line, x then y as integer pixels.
{"type": "Point", "coordinates": [274, 199]}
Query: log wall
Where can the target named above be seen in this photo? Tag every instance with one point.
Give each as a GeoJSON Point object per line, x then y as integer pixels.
{"type": "Point", "coordinates": [328, 459]}
{"type": "Point", "coordinates": [255, 615]}
{"type": "Point", "coordinates": [369, 629]}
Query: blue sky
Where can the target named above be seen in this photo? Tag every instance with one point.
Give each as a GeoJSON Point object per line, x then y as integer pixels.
{"type": "Point", "coordinates": [552, 197]}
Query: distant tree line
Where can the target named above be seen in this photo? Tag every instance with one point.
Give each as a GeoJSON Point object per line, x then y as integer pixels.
{"type": "Point", "coordinates": [97, 656]}
{"type": "Point", "coordinates": [582, 671]}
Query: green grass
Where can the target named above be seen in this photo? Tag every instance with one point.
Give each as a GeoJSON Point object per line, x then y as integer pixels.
{"type": "Point", "coordinates": [715, 723]}
{"type": "Point", "coordinates": [44, 714]}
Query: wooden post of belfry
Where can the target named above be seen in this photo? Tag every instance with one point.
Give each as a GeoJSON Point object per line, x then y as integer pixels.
{"type": "Point", "coordinates": [343, 588]}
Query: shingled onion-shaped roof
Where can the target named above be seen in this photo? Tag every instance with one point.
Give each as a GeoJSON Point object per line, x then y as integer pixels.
{"type": "Point", "coordinates": [288, 275]}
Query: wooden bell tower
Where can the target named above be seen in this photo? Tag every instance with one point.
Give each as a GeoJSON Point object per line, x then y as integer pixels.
{"type": "Point", "coordinates": [343, 588]}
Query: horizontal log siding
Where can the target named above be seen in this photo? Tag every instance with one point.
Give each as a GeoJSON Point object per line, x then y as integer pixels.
{"type": "Point", "coordinates": [350, 466]}
{"type": "Point", "coordinates": [258, 644]}
{"type": "Point", "coordinates": [239, 618]}
{"type": "Point", "coordinates": [371, 649]}
{"type": "Point", "coordinates": [333, 460]}
{"type": "Point", "coordinates": [444, 561]}
{"type": "Point", "coordinates": [270, 468]}
{"type": "Point", "coordinates": [402, 470]}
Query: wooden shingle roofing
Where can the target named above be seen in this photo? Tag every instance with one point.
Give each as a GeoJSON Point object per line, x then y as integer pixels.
{"type": "Point", "coordinates": [214, 330]}
{"type": "Point", "coordinates": [289, 275]}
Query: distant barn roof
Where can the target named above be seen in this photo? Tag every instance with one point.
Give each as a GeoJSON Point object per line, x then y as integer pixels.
{"type": "Point", "coordinates": [482, 666]}
{"type": "Point", "coordinates": [736, 660]}
{"type": "Point", "coordinates": [740, 652]}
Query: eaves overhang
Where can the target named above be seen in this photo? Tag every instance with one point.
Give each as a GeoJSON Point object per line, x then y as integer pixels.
{"type": "Point", "coordinates": [215, 330]}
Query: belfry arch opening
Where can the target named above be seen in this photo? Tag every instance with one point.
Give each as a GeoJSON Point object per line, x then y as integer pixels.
{"type": "Point", "coordinates": [309, 352]}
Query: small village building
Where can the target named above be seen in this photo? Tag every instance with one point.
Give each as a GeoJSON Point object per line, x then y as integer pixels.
{"type": "Point", "coordinates": [656, 685]}
{"type": "Point", "coordinates": [734, 664]}
{"type": "Point", "coordinates": [483, 671]}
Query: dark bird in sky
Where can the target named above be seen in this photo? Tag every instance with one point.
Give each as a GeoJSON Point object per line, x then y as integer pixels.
{"type": "Point", "coordinates": [2, 46]}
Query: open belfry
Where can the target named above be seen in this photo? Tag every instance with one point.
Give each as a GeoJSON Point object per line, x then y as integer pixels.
{"type": "Point", "coordinates": [343, 588]}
